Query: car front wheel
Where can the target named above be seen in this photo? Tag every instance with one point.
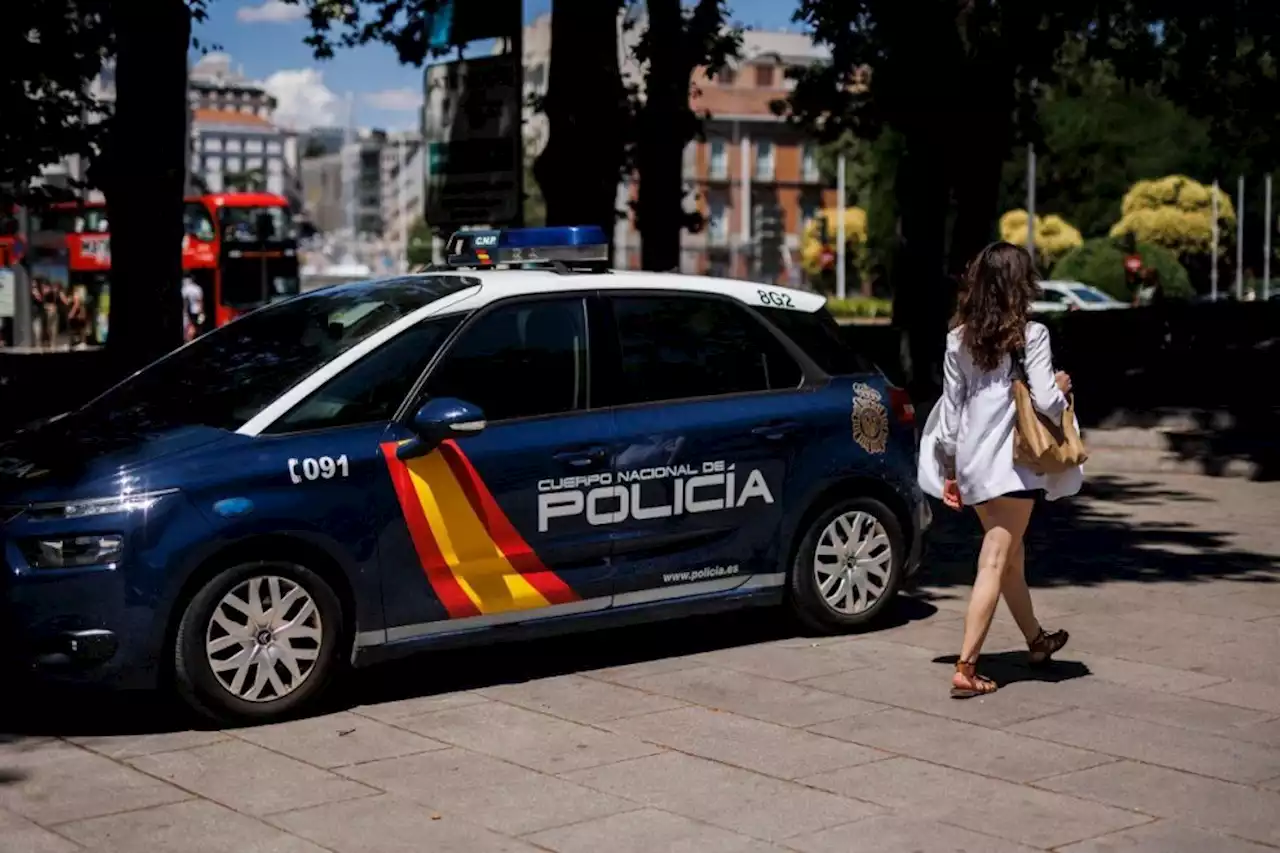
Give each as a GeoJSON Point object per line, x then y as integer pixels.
{"type": "Point", "coordinates": [848, 566]}
{"type": "Point", "coordinates": [257, 641]}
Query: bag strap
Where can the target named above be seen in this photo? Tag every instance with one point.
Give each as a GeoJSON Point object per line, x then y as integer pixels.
{"type": "Point", "coordinates": [1018, 365]}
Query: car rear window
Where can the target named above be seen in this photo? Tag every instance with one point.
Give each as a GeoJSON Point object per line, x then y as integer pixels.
{"type": "Point", "coordinates": [821, 338]}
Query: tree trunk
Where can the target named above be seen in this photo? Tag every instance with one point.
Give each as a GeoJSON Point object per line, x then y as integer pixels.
{"type": "Point", "coordinates": [579, 170]}
{"type": "Point", "coordinates": [660, 147]}
{"type": "Point", "coordinates": [148, 149]}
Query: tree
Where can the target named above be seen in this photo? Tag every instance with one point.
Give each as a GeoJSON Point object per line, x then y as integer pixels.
{"type": "Point", "coordinates": [821, 235]}
{"type": "Point", "coordinates": [675, 43]}
{"type": "Point", "coordinates": [1100, 262]}
{"type": "Point", "coordinates": [1175, 212]}
{"type": "Point", "coordinates": [253, 180]}
{"type": "Point", "coordinates": [421, 244]}
{"type": "Point", "coordinates": [1054, 236]}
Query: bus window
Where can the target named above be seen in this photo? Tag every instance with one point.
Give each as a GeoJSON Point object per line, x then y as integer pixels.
{"type": "Point", "coordinates": [240, 224]}
{"type": "Point", "coordinates": [197, 222]}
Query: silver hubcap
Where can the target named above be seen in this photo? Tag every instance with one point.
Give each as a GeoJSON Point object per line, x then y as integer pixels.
{"type": "Point", "coordinates": [852, 562]}
{"type": "Point", "coordinates": [264, 639]}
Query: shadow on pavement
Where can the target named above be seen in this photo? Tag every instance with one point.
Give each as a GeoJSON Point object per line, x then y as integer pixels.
{"type": "Point", "coordinates": [62, 712]}
{"type": "Point", "coordinates": [1096, 539]}
{"type": "Point", "coordinates": [1007, 668]}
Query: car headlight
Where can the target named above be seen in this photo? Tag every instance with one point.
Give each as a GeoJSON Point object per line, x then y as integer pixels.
{"type": "Point", "coordinates": [93, 507]}
{"type": "Point", "coordinates": [72, 552]}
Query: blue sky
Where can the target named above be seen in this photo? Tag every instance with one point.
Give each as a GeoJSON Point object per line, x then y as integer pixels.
{"type": "Point", "coordinates": [264, 37]}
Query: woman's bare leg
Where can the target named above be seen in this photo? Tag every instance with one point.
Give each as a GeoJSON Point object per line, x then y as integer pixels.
{"type": "Point", "coordinates": [1005, 521]}
{"type": "Point", "coordinates": [1017, 597]}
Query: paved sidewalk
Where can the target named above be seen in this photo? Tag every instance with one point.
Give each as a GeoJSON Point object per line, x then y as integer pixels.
{"type": "Point", "coordinates": [1159, 730]}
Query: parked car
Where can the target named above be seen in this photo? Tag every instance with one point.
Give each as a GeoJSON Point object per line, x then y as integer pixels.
{"type": "Point", "coordinates": [469, 454]}
{"type": "Point", "coordinates": [1057, 296]}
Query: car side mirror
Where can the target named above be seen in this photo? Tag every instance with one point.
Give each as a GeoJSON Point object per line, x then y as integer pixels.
{"type": "Point", "coordinates": [438, 421]}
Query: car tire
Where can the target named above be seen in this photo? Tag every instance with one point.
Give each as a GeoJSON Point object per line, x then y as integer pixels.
{"type": "Point", "coordinates": [823, 559]}
{"type": "Point", "coordinates": [240, 662]}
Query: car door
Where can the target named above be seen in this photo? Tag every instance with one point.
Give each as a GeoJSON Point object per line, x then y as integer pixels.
{"type": "Point", "coordinates": [495, 528]}
{"type": "Point", "coordinates": [709, 408]}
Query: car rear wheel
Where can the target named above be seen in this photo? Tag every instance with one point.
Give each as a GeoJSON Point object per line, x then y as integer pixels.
{"type": "Point", "coordinates": [257, 642]}
{"type": "Point", "coordinates": [848, 566]}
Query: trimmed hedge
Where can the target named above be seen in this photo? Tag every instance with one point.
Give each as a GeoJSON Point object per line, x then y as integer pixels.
{"type": "Point", "coordinates": [1100, 262]}
{"type": "Point", "coordinates": [860, 306]}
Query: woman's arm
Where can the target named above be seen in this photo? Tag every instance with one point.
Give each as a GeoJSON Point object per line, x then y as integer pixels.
{"type": "Point", "coordinates": [953, 393]}
{"type": "Point", "coordinates": [1045, 393]}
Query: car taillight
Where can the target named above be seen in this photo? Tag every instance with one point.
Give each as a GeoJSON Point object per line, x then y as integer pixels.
{"type": "Point", "coordinates": [903, 409]}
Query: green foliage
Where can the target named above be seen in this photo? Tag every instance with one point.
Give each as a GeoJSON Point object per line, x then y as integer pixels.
{"type": "Point", "coordinates": [1100, 262]}
{"type": "Point", "coordinates": [535, 206]}
{"type": "Point", "coordinates": [861, 307]}
{"type": "Point", "coordinates": [420, 243]}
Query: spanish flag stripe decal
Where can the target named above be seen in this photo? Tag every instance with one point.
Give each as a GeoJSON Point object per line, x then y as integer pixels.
{"type": "Point", "coordinates": [508, 539]}
{"type": "Point", "coordinates": [451, 595]}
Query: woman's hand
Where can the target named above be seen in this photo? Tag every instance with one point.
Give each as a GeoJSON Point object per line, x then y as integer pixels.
{"type": "Point", "coordinates": [1064, 381]}
{"type": "Point", "coordinates": [951, 494]}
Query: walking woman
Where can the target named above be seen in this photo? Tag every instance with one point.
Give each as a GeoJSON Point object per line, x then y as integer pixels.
{"type": "Point", "coordinates": [971, 442]}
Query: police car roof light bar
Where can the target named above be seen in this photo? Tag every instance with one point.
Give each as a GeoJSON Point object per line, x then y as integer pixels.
{"type": "Point", "coordinates": [575, 246]}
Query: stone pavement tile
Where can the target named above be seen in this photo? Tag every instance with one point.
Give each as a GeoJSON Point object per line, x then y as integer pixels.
{"type": "Point", "coordinates": [629, 672]}
{"type": "Point", "coordinates": [1142, 740]}
{"type": "Point", "coordinates": [1165, 836]}
{"type": "Point", "coordinates": [960, 745]}
{"type": "Point", "coordinates": [527, 738]}
{"type": "Point", "coordinates": [978, 803]}
{"type": "Point", "coordinates": [579, 699]}
{"type": "Point", "coordinates": [1208, 803]}
{"type": "Point", "coordinates": [1144, 676]}
{"type": "Point", "coordinates": [789, 661]}
{"type": "Point", "coordinates": [648, 831]}
{"type": "Point", "coordinates": [881, 652]}
{"type": "Point", "coordinates": [197, 826]}
{"type": "Point", "coordinates": [19, 835]}
{"type": "Point", "coordinates": [1246, 660]}
{"type": "Point", "coordinates": [425, 776]}
{"type": "Point", "coordinates": [926, 687]}
{"type": "Point", "coordinates": [399, 709]}
{"type": "Point", "coordinates": [1266, 733]}
{"type": "Point", "coordinates": [1272, 784]}
{"type": "Point", "coordinates": [729, 797]}
{"type": "Point", "coordinates": [1241, 694]}
{"type": "Point", "coordinates": [525, 805]}
{"type": "Point", "coordinates": [56, 782]}
{"type": "Point", "coordinates": [894, 833]}
{"type": "Point", "coordinates": [249, 779]}
{"type": "Point", "coordinates": [1169, 709]}
{"type": "Point", "coordinates": [753, 744]}
{"type": "Point", "coordinates": [132, 746]}
{"type": "Point", "coordinates": [335, 740]}
{"type": "Point", "coordinates": [752, 696]}
{"type": "Point", "coordinates": [943, 636]}
{"type": "Point", "coordinates": [387, 824]}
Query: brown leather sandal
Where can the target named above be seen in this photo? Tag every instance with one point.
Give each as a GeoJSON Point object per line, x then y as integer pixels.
{"type": "Point", "coordinates": [981, 685]}
{"type": "Point", "coordinates": [1042, 649]}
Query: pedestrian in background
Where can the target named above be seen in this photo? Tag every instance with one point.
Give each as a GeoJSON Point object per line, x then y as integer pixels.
{"type": "Point", "coordinates": [972, 438]}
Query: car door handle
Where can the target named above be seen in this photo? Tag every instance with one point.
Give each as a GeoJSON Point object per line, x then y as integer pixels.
{"type": "Point", "coordinates": [582, 458]}
{"type": "Point", "coordinates": [776, 431]}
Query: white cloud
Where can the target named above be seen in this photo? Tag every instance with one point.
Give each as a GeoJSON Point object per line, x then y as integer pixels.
{"type": "Point", "coordinates": [395, 100]}
{"type": "Point", "coordinates": [271, 11]}
{"type": "Point", "coordinates": [303, 100]}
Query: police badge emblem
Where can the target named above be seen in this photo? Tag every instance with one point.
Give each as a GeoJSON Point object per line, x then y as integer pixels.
{"type": "Point", "coordinates": [870, 419]}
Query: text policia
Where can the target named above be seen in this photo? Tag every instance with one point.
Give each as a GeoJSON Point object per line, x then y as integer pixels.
{"type": "Point", "coordinates": [609, 498]}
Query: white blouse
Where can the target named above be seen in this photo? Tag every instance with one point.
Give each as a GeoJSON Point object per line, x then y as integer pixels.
{"type": "Point", "coordinates": [973, 424]}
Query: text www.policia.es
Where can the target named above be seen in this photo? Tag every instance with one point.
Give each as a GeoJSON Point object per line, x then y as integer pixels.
{"type": "Point", "coordinates": [700, 574]}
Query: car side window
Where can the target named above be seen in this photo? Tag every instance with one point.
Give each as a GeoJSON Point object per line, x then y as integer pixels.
{"type": "Point", "coordinates": [523, 360]}
{"type": "Point", "coordinates": [679, 347]}
{"type": "Point", "coordinates": [1052, 296]}
{"type": "Point", "coordinates": [373, 388]}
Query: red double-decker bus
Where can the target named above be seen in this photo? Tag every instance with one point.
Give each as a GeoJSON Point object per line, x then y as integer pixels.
{"type": "Point", "coordinates": [239, 251]}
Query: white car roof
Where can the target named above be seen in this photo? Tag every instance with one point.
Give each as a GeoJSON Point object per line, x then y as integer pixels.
{"type": "Point", "coordinates": [503, 284]}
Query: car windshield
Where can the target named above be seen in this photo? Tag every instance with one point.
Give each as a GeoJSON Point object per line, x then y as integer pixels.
{"type": "Point", "coordinates": [229, 375]}
{"type": "Point", "coordinates": [1088, 294]}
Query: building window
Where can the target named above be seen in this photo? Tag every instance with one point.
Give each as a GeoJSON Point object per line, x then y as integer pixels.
{"type": "Point", "coordinates": [726, 76]}
{"type": "Point", "coordinates": [717, 222]}
{"type": "Point", "coordinates": [809, 163]}
{"type": "Point", "coordinates": [764, 76]}
{"type": "Point", "coordinates": [233, 146]}
{"type": "Point", "coordinates": [233, 164]}
{"type": "Point", "coordinates": [213, 165]}
{"type": "Point", "coordinates": [273, 147]}
{"type": "Point", "coordinates": [253, 163]}
{"type": "Point", "coordinates": [808, 213]}
{"type": "Point", "coordinates": [274, 166]}
{"type": "Point", "coordinates": [718, 164]}
{"type": "Point", "coordinates": [212, 143]}
{"type": "Point", "coordinates": [764, 160]}
{"type": "Point", "coordinates": [253, 146]}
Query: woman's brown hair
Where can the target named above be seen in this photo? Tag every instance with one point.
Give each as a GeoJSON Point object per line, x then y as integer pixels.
{"type": "Point", "coordinates": [994, 301]}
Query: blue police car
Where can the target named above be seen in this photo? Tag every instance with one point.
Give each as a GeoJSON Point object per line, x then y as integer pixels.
{"type": "Point", "coordinates": [520, 441]}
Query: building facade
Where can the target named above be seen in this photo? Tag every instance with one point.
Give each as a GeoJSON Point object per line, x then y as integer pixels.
{"type": "Point", "coordinates": [402, 184]}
